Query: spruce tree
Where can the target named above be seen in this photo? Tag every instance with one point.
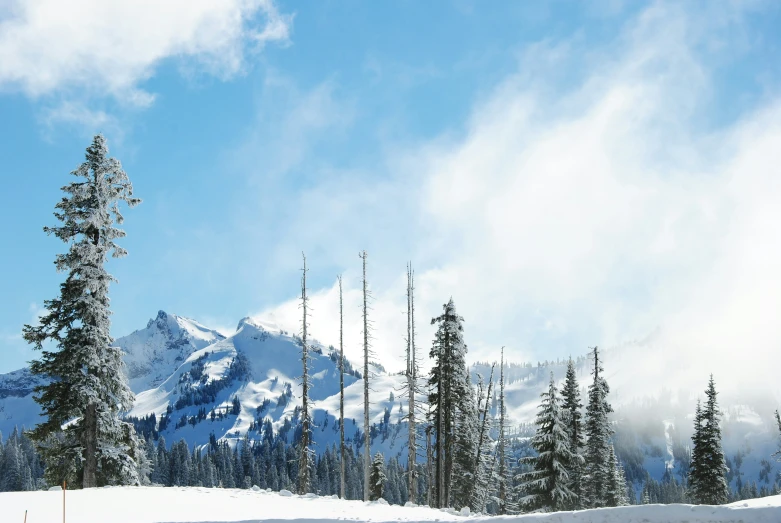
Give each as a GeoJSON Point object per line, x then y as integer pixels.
{"type": "Point", "coordinates": [598, 473]}
{"type": "Point", "coordinates": [616, 490]}
{"type": "Point", "coordinates": [547, 486]}
{"type": "Point", "coordinates": [464, 466]}
{"type": "Point", "coordinates": [447, 387]}
{"type": "Point", "coordinates": [777, 454]}
{"type": "Point", "coordinates": [571, 407]}
{"type": "Point", "coordinates": [86, 384]}
{"type": "Point", "coordinates": [707, 475]}
{"type": "Point", "coordinates": [377, 477]}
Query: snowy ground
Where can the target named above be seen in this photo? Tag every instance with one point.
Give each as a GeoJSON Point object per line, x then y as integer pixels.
{"type": "Point", "coordinates": [202, 505]}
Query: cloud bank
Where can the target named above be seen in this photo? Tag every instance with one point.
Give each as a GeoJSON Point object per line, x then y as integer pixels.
{"type": "Point", "coordinates": [564, 217]}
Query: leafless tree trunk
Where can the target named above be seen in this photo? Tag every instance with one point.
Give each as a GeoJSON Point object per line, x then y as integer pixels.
{"type": "Point", "coordinates": [501, 450]}
{"type": "Point", "coordinates": [411, 385]}
{"type": "Point", "coordinates": [341, 395]}
{"type": "Point", "coordinates": [304, 455]}
{"type": "Point", "coordinates": [367, 436]}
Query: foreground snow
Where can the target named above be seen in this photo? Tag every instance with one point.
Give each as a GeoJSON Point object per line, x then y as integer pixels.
{"type": "Point", "coordinates": [204, 505]}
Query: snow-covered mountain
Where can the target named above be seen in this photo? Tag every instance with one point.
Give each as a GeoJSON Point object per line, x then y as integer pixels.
{"type": "Point", "coordinates": [154, 353]}
{"type": "Point", "coordinates": [198, 383]}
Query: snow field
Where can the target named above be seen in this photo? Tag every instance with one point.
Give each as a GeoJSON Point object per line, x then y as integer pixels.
{"type": "Point", "coordinates": [206, 505]}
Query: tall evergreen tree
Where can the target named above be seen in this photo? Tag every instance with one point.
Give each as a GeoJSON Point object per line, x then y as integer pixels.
{"type": "Point", "coordinates": [466, 437]}
{"type": "Point", "coordinates": [572, 406]}
{"type": "Point", "coordinates": [305, 457]}
{"type": "Point", "coordinates": [707, 474]}
{"type": "Point", "coordinates": [547, 486]}
{"type": "Point", "coordinates": [447, 387]}
{"type": "Point", "coordinates": [86, 384]}
{"type": "Point", "coordinates": [598, 433]}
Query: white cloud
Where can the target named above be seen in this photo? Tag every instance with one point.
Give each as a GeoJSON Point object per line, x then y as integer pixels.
{"type": "Point", "coordinates": [110, 48]}
{"type": "Point", "coordinates": [560, 220]}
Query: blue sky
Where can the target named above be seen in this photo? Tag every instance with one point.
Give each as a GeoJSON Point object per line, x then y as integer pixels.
{"type": "Point", "coordinates": [571, 174]}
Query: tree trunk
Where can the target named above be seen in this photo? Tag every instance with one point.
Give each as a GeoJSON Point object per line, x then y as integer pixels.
{"type": "Point", "coordinates": [367, 435]}
{"type": "Point", "coordinates": [411, 384]}
{"type": "Point", "coordinates": [90, 421]}
{"type": "Point", "coordinates": [342, 483]}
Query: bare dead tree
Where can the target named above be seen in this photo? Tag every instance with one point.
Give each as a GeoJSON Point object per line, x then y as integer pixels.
{"type": "Point", "coordinates": [367, 435]}
{"type": "Point", "coordinates": [305, 452]}
{"type": "Point", "coordinates": [341, 395]}
{"type": "Point", "coordinates": [501, 445]}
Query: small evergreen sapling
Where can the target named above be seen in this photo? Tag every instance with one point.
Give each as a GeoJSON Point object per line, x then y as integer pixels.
{"type": "Point", "coordinates": [377, 478]}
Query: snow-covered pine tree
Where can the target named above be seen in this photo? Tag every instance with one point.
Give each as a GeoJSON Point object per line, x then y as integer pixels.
{"type": "Point", "coordinates": [777, 454]}
{"type": "Point", "coordinates": [547, 486]}
{"type": "Point", "coordinates": [305, 452]}
{"type": "Point", "coordinates": [342, 454]}
{"type": "Point", "coordinates": [86, 382]}
{"type": "Point", "coordinates": [707, 478]}
{"type": "Point", "coordinates": [447, 386]}
{"type": "Point", "coordinates": [571, 412]}
{"type": "Point", "coordinates": [616, 489]}
{"type": "Point", "coordinates": [465, 448]}
{"type": "Point", "coordinates": [377, 477]}
{"type": "Point", "coordinates": [366, 429]}
{"type": "Point", "coordinates": [598, 431]}
{"type": "Point", "coordinates": [694, 473]}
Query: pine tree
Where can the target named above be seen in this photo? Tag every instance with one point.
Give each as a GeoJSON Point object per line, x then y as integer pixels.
{"type": "Point", "coordinates": [696, 454]}
{"type": "Point", "coordinates": [377, 477]}
{"type": "Point", "coordinates": [707, 475]}
{"type": "Point", "coordinates": [777, 454]}
{"type": "Point", "coordinates": [616, 490]}
{"type": "Point", "coordinates": [305, 456]}
{"type": "Point", "coordinates": [447, 388]}
{"type": "Point", "coordinates": [547, 486]}
{"type": "Point", "coordinates": [598, 473]}
{"type": "Point", "coordinates": [464, 466]}
{"type": "Point", "coordinates": [86, 382]}
{"type": "Point", "coordinates": [571, 406]}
